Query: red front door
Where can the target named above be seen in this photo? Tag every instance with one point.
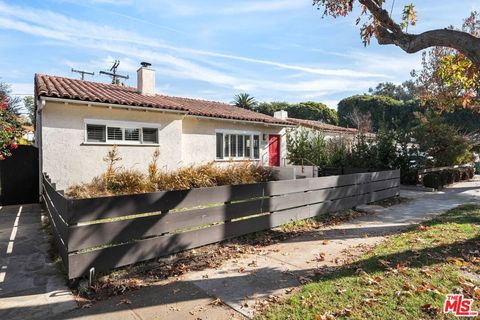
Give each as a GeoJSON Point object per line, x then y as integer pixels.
{"type": "Point", "coordinates": [274, 150]}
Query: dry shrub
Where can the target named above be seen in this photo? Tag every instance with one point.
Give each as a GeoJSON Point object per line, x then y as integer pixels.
{"type": "Point", "coordinates": [126, 181]}
{"type": "Point", "coordinates": [118, 180]}
{"type": "Point", "coordinates": [152, 178]}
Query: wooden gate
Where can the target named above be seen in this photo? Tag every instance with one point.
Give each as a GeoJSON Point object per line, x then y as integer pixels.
{"type": "Point", "coordinates": [19, 178]}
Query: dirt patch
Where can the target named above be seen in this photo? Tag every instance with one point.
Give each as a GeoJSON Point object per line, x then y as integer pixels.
{"type": "Point", "coordinates": [209, 256]}
{"type": "Point", "coordinates": [391, 201]}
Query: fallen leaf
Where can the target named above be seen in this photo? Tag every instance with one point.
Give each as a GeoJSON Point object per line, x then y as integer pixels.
{"type": "Point", "coordinates": [253, 264]}
{"type": "Point", "coordinates": [304, 280]}
{"type": "Point", "coordinates": [422, 228]}
{"type": "Point", "coordinates": [431, 310]}
{"type": "Point", "coordinates": [384, 262]}
{"type": "Point", "coordinates": [325, 316]}
{"type": "Point", "coordinates": [124, 301]}
{"type": "Point", "coordinates": [217, 302]}
{"type": "Point", "coordinates": [370, 301]}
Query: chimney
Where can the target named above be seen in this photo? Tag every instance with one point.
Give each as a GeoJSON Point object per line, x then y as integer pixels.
{"type": "Point", "coordinates": [146, 79]}
{"type": "Point", "coordinates": [281, 114]}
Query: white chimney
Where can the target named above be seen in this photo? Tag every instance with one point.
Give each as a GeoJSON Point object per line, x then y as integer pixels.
{"type": "Point", "coordinates": [146, 79]}
{"type": "Point", "coordinates": [281, 114]}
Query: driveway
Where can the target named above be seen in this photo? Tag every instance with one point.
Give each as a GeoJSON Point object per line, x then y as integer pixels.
{"type": "Point", "coordinates": [31, 286]}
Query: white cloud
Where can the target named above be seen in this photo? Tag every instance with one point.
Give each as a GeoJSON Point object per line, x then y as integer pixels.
{"type": "Point", "coordinates": [108, 2]}
{"type": "Point", "coordinates": [60, 27]}
{"type": "Point", "coordinates": [197, 8]}
{"type": "Point", "coordinates": [22, 88]}
{"type": "Point", "coordinates": [179, 62]}
{"type": "Point", "coordinates": [262, 6]}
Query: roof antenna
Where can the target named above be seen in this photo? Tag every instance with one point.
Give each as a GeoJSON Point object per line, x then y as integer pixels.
{"type": "Point", "coordinates": [113, 73]}
{"type": "Point", "coordinates": [83, 73]}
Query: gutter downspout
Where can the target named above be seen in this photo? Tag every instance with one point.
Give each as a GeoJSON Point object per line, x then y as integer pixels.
{"type": "Point", "coordinates": [38, 141]}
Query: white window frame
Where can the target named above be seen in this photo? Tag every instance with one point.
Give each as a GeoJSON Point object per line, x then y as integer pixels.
{"type": "Point", "coordinates": [123, 125]}
{"type": "Point", "coordinates": [238, 132]}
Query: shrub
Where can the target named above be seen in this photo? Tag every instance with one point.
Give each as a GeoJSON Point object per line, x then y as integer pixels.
{"type": "Point", "coordinates": [441, 141]}
{"type": "Point", "coordinates": [432, 180]}
{"type": "Point", "coordinates": [117, 180]}
{"type": "Point", "coordinates": [408, 176]}
{"type": "Point", "coordinates": [447, 177]}
{"type": "Point", "coordinates": [477, 167]}
{"type": "Point", "coordinates": [463, 174]}
{"type": "Point", "coordinates": [471, 172]}
{"type": "Point", "coordinates": [456, 175]}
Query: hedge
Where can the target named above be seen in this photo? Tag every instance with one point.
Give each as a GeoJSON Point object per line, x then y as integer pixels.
{"type": "Point", "coordinates": [438, 180]}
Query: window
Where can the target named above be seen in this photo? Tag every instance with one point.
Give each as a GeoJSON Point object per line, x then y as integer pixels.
{"type": "Point", "coordinates": [150, 135]}
{"type": "Point", "coordinates": [132, 134]}
{"type": "Point", "coordinates": [95, 133]}
{"type": "Point", "coordinates": [237, 146]}
{"type": "Point", "coordinates": [115, 133]}
{"type": "Point", "coordinates": [100, 131]}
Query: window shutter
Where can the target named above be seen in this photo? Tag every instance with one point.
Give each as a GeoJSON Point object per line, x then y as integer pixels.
{"type": "Point", "coordinates": [95, 133]}
{"type": "Point", "coordinates": [240, 146]}
{"type": "Point", "coordinates": [114, 133]}
{"type": "Point", "coordinates": [219, 145]}
{"type": "Point", "coordinates": [248, 146]}
{"type": "Point", "coordinates": [256, 147]}
{"type": "Point", "coordinates": [150, 135]}
{"type": "Point", "coordinates": [132, 135]}
{"type": "Point", "coordinates": [227, 146]}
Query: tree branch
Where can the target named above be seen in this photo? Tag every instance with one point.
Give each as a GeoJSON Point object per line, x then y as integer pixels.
{"type": "Point", "coordinates": [463, 42]}
{"type": "Point", "coordinates": [389, 32]}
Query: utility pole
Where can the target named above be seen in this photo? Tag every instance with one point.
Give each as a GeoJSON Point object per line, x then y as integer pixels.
{"type": "Point", "coordinates": [83, 73]}
{"type": "Point", "coordinates": [113, 73]}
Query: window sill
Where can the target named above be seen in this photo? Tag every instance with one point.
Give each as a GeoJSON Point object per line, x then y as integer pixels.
{"type": "Point", "coordinates": [120, 144]}
{"type": "Point", "coordinates": [235, 160]}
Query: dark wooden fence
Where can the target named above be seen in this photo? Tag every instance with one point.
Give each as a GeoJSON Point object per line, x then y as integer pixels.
{"type": "Point", "coordinates": [19, 177]}
{"type": "Point", "coordinates": [109, 232]}
{"type": "Point", "coordinates": [335, 171]}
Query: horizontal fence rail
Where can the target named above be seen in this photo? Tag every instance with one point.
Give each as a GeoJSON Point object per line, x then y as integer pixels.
{"type": "Point", "coordinates": [114, 231]}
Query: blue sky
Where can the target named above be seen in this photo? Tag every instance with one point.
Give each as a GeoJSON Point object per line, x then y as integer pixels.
{"type": "Point", "coordinates": [276, 50]}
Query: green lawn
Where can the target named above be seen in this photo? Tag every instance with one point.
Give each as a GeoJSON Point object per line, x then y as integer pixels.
{"type": "Point", "coordinates": [405, 277]}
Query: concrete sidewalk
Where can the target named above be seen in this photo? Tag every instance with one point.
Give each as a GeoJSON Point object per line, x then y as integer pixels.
{"type": "Point", "coordinates": [30, 284]}
{"type": "Point", "coordinates": [256, 279]}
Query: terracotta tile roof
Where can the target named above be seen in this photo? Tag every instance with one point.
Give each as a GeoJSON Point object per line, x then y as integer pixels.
{"type": "Point", "coordinates": [318, 125]}
{"type": "Point", "coordinates": [74, 89]}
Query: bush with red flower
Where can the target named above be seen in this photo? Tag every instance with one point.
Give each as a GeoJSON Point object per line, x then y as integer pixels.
{"type": "Point", "coordinates": [10, 130]}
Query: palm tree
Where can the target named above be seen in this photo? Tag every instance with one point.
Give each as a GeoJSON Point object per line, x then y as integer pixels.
{"type": "Point", "coordinates": [245, 101]}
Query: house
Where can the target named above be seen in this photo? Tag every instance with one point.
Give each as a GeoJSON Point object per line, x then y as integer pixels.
{"type": "Point", "coordinates": [78, 121]}
{"type": "Point", "coordinates": [329, 131]}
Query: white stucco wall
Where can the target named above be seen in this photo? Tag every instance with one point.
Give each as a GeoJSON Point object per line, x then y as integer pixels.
{"type": "Point", "coordinates": [199, 140]}
{"type": "Point", "coordinates": [69, 161]}
{"type": "Point", "coordinates": [182, 141]}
